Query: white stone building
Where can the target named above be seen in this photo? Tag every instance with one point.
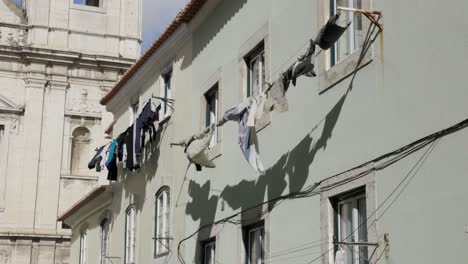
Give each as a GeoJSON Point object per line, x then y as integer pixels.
{"type": "Point", "coordinates": [358, 163]}
{"type": "Point", "coordinates": [57, 59]}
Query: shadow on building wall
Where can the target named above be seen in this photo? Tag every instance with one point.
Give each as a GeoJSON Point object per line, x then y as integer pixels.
{"type": "Point", "coordinates": [212, 26]}
{"type": "Point", "coordinates": [292, 167]}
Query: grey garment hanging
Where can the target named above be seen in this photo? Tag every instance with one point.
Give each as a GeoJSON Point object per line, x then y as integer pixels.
{"type": "Point", "coordinates": [330, 33]}
{"type": "Point", "coordinates": [303, 66]}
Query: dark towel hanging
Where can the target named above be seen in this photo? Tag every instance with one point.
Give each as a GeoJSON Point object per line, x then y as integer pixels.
{"type": "Point", "coordinates": [330, 33]}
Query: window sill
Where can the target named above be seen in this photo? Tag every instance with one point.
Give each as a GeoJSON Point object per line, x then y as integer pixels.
{"type": "Point", "coordinates": [88, 8]}
{"type": "Point", "coordinates": [160, 255]}
{"type": "Point", "coordinates": [341, 70]}
{"type": "Point", "coordinates": [78, 177]}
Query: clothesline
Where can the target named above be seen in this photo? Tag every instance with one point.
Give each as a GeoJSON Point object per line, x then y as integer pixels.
{"type": "Point", "coordinates": [252, 114]}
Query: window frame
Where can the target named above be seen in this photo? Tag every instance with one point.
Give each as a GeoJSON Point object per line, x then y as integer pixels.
{"type": "Point", "coordinates": [352, 198]}
{"type": "Point", "coordinates": [330, 75]}
{"type": "Point", "coordinates": [83, 256]}
{"type": "Point", "coordinates": [134, 108]}
{"type": "Point", "coordinates": [352, 34]}
{"type": "Point", "coordinates": [257, 52]}
{"type": "Point", "coordinates": [167, 92]}
{"type": "Point", "coordinates": [205, 244]}
{"type": "Point", "coordinates": [130, 232]}
{"type": "Point", "coordinates": [161, 249]}
{"type": "Point", "coordinates": [100, 4]}
{"type": "Point", "coordinates": [328, 207]}
{"type": "Point", "coordinates": [212, 117]}
{"type": "Point", "coordinates": [104, 240]}
{"type": "Point", "coordinates": [247, 239]}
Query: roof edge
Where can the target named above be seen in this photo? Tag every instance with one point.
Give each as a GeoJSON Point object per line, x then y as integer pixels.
{"type": "Point", "coordinates": [78, 205]}
{"type": "Point", "coordinates": [184, 16]}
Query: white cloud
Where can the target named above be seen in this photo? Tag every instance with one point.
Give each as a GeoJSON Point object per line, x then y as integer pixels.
{"type": "Point", "coordinates": [157, 14]}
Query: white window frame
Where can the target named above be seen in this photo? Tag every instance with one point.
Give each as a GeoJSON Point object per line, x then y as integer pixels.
{"type": "Point", "coordinates": [258, 53]}
{"type": "Point", "coordinates": [105, 232]}
{"type": "Point", "coordinates": [167, 92]}
{"type": "Point", "coordinates": [133, 108]}
{"type": "Point", "coordinates": [212, 114]}
{"type": "Point", "coordinates": [329, 199]}
{"type": "Point", "coordinates": [130, 235]}
{"type": "Point", "coordinates": [351, 36]}
{"type": "Point", "coordinates": [84, 4]}
{"type": "Point", "coordinates": [354, 226]}
{"type": "Point", "coordinates": [162, 214]}
{"type": "Point", "coordinates": [211, 246]}
{"type": "Point", "coordinates": [83, 247]}
{"type": "Point", "coordinates": [262, 241]}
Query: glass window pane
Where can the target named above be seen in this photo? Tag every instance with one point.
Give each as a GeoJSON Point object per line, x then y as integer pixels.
{"type": "Point", "coordinates": [343, 45]}
{"type": "Point", "coordinates": [209, 253]}
{"type": "Point", "coordinates": [256, 246]}
{"type": "Point", "coordinates": [346, 228]}
{"type": "Point", "coordinates": [362, 231]}
{"type": "Point", "coordinates": [357, 25]}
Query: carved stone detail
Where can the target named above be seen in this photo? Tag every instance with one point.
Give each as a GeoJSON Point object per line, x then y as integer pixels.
{"type": "Point", "coordinates": [83, 106]}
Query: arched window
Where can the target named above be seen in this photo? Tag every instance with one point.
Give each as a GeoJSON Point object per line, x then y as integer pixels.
{"type": "Point", "coordinates": [162, 222]}
{"type": "Point", "coordinates": [104, 240]}
{"type": "Point", "coordinates": [80, 151]}
{"type": "Point", "coordinates": [130, 235]}
{"type": "Point", "coordinates": [83, 247]}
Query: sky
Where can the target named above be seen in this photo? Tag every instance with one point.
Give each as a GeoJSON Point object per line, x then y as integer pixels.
{"type": "Point", "coordinates": [157, 14]}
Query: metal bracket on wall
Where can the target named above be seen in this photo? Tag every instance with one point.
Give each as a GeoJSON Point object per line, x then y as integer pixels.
{"type": "Point", "coordinates": [167, 101]}
{"type": "Point", "coordinates": [370, 14]}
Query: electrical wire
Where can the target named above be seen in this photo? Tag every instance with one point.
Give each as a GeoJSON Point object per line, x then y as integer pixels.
{"type": "Point", "coordinates": [410, 175]}
{"type": "Point", "coordinates": [311, 190]}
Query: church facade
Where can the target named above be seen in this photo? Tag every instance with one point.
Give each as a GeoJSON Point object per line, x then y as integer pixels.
{"type": "Point", "coordinates": [57, 59]}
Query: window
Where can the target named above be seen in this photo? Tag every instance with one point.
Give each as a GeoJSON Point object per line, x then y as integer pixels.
{"type": "Point", "coordinates": [254, 243]}
{"type": "Point", "coordinates": [104, 241]}
{"type": "Point", "coordinates": [167, 93]}
{"type": "Point", "coordinates": [209, 251]}
{"type": "Point", "coordinates": [351, 218]}
{"type": "Point", "coordinates": [130, 236]}
{"type": "Point", "coordinates": [353, 37]}
{"type": "Point", "coordinates": [80, 151]}
{"type": "Point", "coordinates": [211, 112]}
{"type": "Point", "coordinates": [255, 71]}
{"type": "Point", "coordinates": [133, 113]}
{"type": "Point", "coordinates": [83, 247]}
{"type": "Point", "coordinates": [95, 3]}
{"type": "Point", "coordinates": [162, 223]}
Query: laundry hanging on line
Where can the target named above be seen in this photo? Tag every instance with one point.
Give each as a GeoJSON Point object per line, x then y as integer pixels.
{"type": "Point", "coordinates": [340, 256]}
{"type": "Point", "coordinates": [330, 33]}
{"type": "Point", "coordinates": [303, 66]}
{"type": "Point", "coordinates": [126, 148]}
{"type": "Point", "coordinates": [247, 135]}
{"type": "Point", "coordinates": [196, 147]}
{"type": "Point", "coordinates": [326, 38]}
{"type": "Point", "coordinates": [145, 124]}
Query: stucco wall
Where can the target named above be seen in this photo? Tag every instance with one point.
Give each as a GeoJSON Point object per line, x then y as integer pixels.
{"type": "Point", "coordinates": [408, 90]}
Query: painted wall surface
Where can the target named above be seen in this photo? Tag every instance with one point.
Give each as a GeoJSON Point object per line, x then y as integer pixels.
{"type": "Point", "coordinates": [48, 89]}
{"type": "Point", "coordinates": [408, 89]}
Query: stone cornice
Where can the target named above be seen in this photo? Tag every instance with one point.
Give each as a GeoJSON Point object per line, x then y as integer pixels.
{"type": "Point", "coordinates": [46, 56]}
{"type": "Point", "coordinates": [83, 32]}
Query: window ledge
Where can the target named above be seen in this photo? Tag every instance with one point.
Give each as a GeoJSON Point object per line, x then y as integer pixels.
{"type": "Point", "coordinates": [77, 177]}
{"type": "Point", "coordinates": [88, 8]}
{"type": "Point", "coordinates": [160, 255]}
{"type": "Point", "coordinates": [341, 70]}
